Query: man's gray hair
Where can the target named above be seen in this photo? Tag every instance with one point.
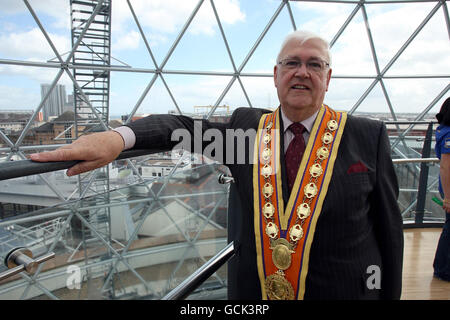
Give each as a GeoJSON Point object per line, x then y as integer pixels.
{"type": "Point", "coordinates": [302, 36]}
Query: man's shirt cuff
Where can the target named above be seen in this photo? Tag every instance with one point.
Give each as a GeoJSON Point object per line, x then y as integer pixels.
{"type": "Point", "coordinates": [128, 136]}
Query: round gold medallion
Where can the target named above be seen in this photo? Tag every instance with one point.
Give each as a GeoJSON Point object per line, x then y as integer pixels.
{"type": "Point", "coordinates": [266, 138]}
{"type": "Point", "coordinates": [281, 257]}
{"type": "Point", "coordinates": [278, 288]}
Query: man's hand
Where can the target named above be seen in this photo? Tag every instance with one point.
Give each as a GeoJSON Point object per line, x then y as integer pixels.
{"type": "Point", "coordinates": [96, 150]}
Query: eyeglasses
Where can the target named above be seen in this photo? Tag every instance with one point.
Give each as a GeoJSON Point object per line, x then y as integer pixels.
{"type": "Point", "coordinates": [313, 65]}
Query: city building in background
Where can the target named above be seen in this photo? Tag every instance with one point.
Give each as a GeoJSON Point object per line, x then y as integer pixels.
{"type": "Point", "coordinates": [56, 102]}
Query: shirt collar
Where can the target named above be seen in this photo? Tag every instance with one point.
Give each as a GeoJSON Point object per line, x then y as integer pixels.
{"type": "Point", "coordinates": [307, 123]}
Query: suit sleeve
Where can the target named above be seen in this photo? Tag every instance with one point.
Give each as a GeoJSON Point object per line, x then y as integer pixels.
{"type": "Point", "coordinates": [164, 132]}
{"type": "Point", "coordinates": [388, 222]}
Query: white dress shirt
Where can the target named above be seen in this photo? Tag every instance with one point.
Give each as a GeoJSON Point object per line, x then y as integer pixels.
{"type": "Point", "coordinates": [289, 135]}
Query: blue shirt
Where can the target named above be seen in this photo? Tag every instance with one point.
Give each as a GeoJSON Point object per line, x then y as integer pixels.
{"type": "Point", "coordinates": [442, 145]}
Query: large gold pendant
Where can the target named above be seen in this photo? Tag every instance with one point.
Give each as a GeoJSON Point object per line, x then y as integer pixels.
{"type": "Point", "coordinates": [278, 288]}
{"type": "Point", "coordinates": [281, 253]}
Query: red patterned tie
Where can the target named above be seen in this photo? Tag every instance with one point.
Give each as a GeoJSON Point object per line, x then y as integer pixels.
{"type": "Point", "coordinates": [294, 153]}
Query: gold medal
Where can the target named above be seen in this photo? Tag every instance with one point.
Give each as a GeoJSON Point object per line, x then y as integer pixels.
{"type": "Point", "coordinates": [296, 232]}
{"type": "Point", "coordinates": [281, 253]}
{"type": "Point", "coordinates": [327, 138]}
{"type": "Point", "coordinates": [267, 190]}
{"type": "Point", "coordinates": [315, 170]}
{"type": "Point", "coordinates": [278, 288]}
{"type": "Point", "coordinates": [332, 125]}
{"type": "Point", "coordinates": [303, 210]}
{"type": "Point", "coordinates": [266, 154]}
{"type": "Point", "coordinates": [266, 171]}
{"type": "Point", "coordinates": [268, 210]}
{"type": "Point", "coordinates": [310, 190]}
{"type": "Point", "coordinates": [322, 153]}
{"type": "Point", "coordinates": [272, 230]}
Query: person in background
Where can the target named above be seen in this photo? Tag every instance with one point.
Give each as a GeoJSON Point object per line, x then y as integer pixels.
{"type": "Point", "coordinates": [441, 262]}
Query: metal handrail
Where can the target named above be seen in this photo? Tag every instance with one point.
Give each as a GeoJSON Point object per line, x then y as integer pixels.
{"type": "Point", "coordinates": [411, 122]}
{"type": "Point", "coordinates": [23, 168]}
{"type": "Point", "coordinates": [201, 275]}
{"type": "Point", "coordinates": [416, 160]}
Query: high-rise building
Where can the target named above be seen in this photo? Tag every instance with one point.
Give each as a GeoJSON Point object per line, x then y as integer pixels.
{"type": "Point", "coordinates": [54, 105]}
{"type": "Point", "coordinates": [68, 106]}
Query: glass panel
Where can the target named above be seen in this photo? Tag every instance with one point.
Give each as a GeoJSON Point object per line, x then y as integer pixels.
{"type": "Point", "coordinates": [148, 239]}
{"type": "Point", "coordinates": [408, 175]}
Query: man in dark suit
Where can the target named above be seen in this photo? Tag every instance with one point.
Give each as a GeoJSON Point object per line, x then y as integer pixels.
{"type": "Point", "coordinates": [313, 212]}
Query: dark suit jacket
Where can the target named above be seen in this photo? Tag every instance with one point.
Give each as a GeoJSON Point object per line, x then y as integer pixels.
{"type": "Point", "coordinates": [360, 225]}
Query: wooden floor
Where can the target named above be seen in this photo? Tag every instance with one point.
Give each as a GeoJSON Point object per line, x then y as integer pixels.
{"type": "Point", "coordinates": [418, 280]}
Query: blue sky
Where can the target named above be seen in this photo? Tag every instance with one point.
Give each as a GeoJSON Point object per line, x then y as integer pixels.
{"type": "Point", "coordinates": [202, 49]}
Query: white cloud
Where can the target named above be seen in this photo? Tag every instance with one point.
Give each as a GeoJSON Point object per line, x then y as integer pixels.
{"type": "Point", "coordinates": [168, 16]}
{"type": "Point", "coordinates": [40, 75]}
{"type": "Point", "coordinates": [128, 41]}
{"type": "Point", "coordinates": [17, 98]}
{"type": "Point", "coordinates": [391, 26]}
{"type": "Point", "coordinates": [58, 10]}
{"type": "Point", "coordinates": [31, 44]}
{"type": "Point", "coordinates": [160, 18]}
{"type": "Point", "coordinates": [12, 6]}
{"type": "Point", "coordinates": [228, 11]}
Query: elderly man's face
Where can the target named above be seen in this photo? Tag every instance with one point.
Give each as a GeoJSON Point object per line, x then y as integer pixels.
{"type": "Point", "coordinates": [301, 90]}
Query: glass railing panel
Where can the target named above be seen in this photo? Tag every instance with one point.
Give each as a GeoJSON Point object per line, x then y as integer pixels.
{"type": "Point", "coordinates": [413, 155]}
{"type": "Point", "coordinates": [143, 242]}
{"type": "Point", "coordinates": [408, 175]}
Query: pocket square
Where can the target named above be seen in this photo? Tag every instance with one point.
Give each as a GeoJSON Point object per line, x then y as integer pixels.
{"type": "Point", "coordinates": [357, 167]}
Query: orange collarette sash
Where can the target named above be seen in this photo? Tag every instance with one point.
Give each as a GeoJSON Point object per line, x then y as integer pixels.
{"type": "Point", "coordinates": [284, 236]}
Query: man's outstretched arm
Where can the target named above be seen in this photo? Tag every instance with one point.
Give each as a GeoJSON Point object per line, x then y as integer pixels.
{"type": "Point", "coordinates": [96, 150]}
{"type": "Point", "coordinates": [152, 132]}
